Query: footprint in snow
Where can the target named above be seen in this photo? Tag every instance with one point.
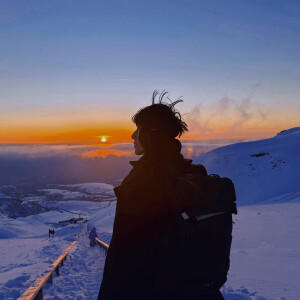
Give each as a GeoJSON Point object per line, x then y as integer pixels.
{"type": "Point", "coordinates": [19, 281]}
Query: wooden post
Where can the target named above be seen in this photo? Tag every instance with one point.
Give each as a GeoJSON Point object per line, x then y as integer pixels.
{"type": "Point", "coordinates": [57, 270]}
{"type": "Point", "coordinates": [50, 280]}
{"type": "Point", "coordinates": [39, 295]}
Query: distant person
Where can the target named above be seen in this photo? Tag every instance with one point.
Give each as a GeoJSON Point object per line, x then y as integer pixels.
{"type": "Point", "coordinates": [51, 232]}
{"type": "Point", "coordinates": [160, 247]}
{"type": "Point", "coordinates": [92, 236]}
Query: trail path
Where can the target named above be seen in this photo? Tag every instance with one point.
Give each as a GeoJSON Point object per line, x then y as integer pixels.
{"type": "Point", "coordinates": [81, 274]}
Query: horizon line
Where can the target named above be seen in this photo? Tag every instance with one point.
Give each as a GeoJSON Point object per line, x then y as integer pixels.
{"type": "Point", "coordinates": [216, 140]}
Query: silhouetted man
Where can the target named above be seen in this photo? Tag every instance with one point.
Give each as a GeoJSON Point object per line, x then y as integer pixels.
{"type": "Point", "coordinates": [148, 257]}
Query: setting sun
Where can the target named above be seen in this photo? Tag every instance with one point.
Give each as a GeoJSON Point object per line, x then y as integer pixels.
{"type": "Point", "coordinates": [105, 138]}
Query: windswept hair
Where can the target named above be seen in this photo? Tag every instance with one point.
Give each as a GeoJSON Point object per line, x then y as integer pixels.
{"type": "Point", "coordinates": [161, 116]}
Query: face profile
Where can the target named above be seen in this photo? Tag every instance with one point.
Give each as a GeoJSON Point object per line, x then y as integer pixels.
{"type": "Point", "coordinates": [138, 148]}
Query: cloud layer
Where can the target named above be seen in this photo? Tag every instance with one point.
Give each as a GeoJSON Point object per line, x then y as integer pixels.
{"type": "Point", "coordinates": [73, 163]}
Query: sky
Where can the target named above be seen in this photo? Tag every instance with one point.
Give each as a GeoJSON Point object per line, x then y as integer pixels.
{"type": "Point", "coordinates": [74, 71]}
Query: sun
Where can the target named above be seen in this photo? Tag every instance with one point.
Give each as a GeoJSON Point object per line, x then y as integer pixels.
{"type": "Point", "coordinates": [104, 139]}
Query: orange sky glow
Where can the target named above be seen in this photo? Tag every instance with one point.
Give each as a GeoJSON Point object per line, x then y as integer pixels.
{"type": "Point", "coordinates": [67, 135]}
{"type": "Point", "coordinates": [122, 134]}
{"type": "Point", "coordinates": [85, 127]}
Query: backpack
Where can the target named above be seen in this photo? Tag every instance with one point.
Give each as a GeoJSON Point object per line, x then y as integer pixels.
{"type": "Point", "coordinates": [196, 254]}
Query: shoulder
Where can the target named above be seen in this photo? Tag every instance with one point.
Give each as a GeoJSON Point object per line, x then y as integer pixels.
{"type": "Point", "coordinates": [145, 189]}
{"type": "Point", "coordinates": [196, 169]}
{"type": "Point", "coordinates": [146, 171]}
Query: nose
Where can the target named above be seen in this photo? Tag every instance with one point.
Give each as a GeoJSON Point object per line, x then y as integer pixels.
{"type": "Point", "coordinates": [133, 136]}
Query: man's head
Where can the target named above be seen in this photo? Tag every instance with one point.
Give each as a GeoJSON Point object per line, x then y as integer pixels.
{"type": "Point", "coordinates": [157, 125]}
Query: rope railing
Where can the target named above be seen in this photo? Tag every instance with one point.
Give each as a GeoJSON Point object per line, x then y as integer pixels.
{"type": "Point", "coordinates": [35, 292]}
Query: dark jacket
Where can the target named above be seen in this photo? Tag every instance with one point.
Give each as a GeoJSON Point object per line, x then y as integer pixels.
{"type": "Point", "coordinates": [149, 204]}
{"type": "Point", "coordinates": [92, 236]}
{"type": "Point", "coordinates": [144, 215]}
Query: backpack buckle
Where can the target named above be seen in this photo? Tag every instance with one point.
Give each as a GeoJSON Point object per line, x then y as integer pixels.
{"type": "Point", "coordinates": [185, 215]}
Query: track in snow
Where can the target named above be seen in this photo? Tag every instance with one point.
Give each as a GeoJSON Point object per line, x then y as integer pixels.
{"type": "Point", "coordinates": [81, 274]}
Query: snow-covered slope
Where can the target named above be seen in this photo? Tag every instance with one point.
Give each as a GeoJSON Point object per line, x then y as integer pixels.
{"type": "Point", "coordinates": [264, 256]}
{"type": "Point", "coordinates": [26, 253]}
{"type": "Point", "coordinates": [2, 195]}
{"type": "Point", "coordinates": [265, 170]}
{"type": "Point", "coordinates": [85, 191]}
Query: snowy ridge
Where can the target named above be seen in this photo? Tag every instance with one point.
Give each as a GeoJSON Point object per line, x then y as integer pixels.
{"type": "Point", "coordinates": [284, 133]}
{"type": "Point", "coordinates": [261, 170]}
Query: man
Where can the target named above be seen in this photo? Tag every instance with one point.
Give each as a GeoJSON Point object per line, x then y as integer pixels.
{"type": "Point", "coordinates": [148, 243]}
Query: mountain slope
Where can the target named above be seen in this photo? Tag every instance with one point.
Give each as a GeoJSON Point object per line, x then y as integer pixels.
{"type": "Point", "coordinates": [264, 170]}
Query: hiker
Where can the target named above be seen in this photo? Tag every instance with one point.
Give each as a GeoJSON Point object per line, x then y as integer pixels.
{"type": "Point", "coordinates": [153, 252]}
{"type": "Point", "coordinates": [51, 232]}
{"type": "Point", "coordinates": [92, 237]}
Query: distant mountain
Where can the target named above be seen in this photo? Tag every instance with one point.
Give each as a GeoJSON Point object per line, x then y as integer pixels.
{"type": "Point", "coordinates": [262, 171]}
{"type": "Point", "coordinates": [15, 208]}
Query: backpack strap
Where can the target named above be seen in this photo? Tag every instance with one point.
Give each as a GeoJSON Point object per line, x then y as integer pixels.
{"type": "Point", "coordinates": [202, 217]}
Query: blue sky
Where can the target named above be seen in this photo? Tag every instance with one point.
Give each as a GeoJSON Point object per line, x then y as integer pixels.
{"type": "Point", "coordinates": [65, 57]}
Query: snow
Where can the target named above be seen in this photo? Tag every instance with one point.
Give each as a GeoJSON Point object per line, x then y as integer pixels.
{"type": "Point", "coordinates": [2, 195]}
{"type": "Point", "coordinates": [80, 277]}
{"type": "Point", "coordinates": [26, 253]}
{"type": "Point", "coordinates": [95, 188]}
{"type": "Point", "coordinates": [265, 249]}
{"type": "Point", "coordinates": [64, 193]}
{"type": "Point", "coordinates": [103, 220]}
{"type": "Point", "coordinates": [288, 132]}
{"type": "Point", "coordinates": [260, 170]}
{"type": "Point", "coordinates": [264, 258]}
{"type": "Point", "coordinates": [81, 191]}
